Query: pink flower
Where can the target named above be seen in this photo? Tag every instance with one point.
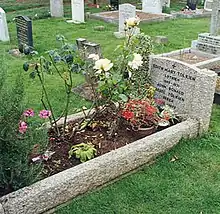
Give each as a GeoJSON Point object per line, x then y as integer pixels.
{"type": "Point", "coordinates": [45, 114]}
{"type": "Point", "coordinates": [29, 113]}
{"type": "Point", "coordinates": [22, 127]}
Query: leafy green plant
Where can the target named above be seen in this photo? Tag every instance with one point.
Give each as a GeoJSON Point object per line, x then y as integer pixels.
{"type": "Point", "coordinates": [63, 61]}
{"type": "Point", "coordinates": [83, 151]}
{"type": "Point", "coordinates": [16, 171]}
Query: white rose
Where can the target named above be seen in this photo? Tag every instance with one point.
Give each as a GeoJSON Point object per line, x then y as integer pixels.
{"type": "Point", "coordinates": [94, 57]}
{"type": "Point", "coordinates": [136, 62]}
{"type": "Point", "coordinates": [103, 65]}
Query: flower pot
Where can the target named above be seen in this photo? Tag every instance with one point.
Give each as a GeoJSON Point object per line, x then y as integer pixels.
{"type": "Point", "coordinates": [143, 132]}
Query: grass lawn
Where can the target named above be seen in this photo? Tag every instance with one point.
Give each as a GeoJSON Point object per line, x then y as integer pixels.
{"type": "Point", "coordinates": [188, 185]}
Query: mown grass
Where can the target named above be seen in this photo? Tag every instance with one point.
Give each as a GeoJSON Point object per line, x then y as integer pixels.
{"type": "Point", "coordinates": [44, 34]}
{"type": "Point", "coordinates": [188, 185]}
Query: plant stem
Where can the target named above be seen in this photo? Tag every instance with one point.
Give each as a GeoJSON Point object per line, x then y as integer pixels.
{"type": "Point", "coordinates": [47, 99]}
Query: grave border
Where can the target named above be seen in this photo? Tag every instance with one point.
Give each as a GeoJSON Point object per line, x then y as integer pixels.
{"type": "Point", "coordinates": [68, 184]}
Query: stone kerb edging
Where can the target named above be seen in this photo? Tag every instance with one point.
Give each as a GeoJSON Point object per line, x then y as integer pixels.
{"type": "Point", "coordinates": [187, 50]}
{"type": "Point", "coordinates": [101, 16]}
{"type": "Point", "coordinates": [186, 88]}
{"type": "Point", "coordinates": [57, 189]}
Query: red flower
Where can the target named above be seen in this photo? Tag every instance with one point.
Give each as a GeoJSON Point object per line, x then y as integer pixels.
{"type": "Point", "coordinates": [151, 110]}
{"type": "Point", "coordinates": [127, 115]}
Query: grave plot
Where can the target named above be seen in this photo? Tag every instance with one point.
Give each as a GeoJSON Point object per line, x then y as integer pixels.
{"type": "Point", "coordinates": [213, 65]}
{"type": "Point", "coordinates": [189, 55]}
{"type": "Point", "coordinates": [116, 17]}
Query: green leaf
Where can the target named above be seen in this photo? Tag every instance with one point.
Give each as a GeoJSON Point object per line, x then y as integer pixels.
{"type": "Point", "coordinates": [123, 97]}
{"type": "Point", "coordinates": [32, 75]}
{"type": "Point", "coordinates": [25, 66]}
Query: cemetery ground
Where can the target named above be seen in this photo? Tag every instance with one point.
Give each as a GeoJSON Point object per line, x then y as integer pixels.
{"type": "Point", "coordinates": [185, 180]}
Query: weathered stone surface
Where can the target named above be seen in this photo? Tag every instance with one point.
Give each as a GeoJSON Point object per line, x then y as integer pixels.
{"type": "Point", "coordinates": [208, 43]}
{"type": "Point", "coordinates": [56, 8]}
{"type": "Point", "coordinates": [211, 64]}
{"type": "Point", "coordinates": [59, 188]}
{"type": "Point", "coordinates": [185, 88]}
{"type": "Point", "coordinates": [1, 210]}
{"type": "Point", "coordinates": [161, 39]}
{"type": "Point", "coordinates": [215, 18]}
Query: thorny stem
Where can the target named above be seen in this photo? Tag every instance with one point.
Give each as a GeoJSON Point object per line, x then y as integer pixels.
{"type": "Point", "coordinates": [48, 101]}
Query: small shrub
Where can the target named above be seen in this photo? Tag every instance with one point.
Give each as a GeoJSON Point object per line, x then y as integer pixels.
{"type": "Point", "coordinates": [16, 171]}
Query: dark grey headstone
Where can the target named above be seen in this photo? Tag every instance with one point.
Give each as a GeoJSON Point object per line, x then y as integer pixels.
{"type": "Point", "coordinates": [24, 32]}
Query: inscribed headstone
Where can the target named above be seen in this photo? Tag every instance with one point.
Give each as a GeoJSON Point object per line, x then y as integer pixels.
{"type": "Point", "coordinates": [185, 88]}
{"type": "Point", "coordinates": [4, 36]}
{"type": "Point", "coordinates": [152, 6]}
{"type": "Point", "coordinates": [56, 8]}
{"type": "Point", "coordinates": [24, 32]}
{"type": "Point", "coordinates": [77, 11]}
{"type": "Point", "coordinates": [126, 11]}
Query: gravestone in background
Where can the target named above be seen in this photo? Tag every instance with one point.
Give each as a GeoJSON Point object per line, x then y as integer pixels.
{"type": "Point", "coordinates": [24, 32]}
{"type": "Point", "coordinates": [4, 36]}
{"type": "Point", "coordinates": [126, 11]}
{"type": "Point", "coordinates": [86, 48]}
{"type": "Point", "coordinates": [56, 8]}
{"type": "Point", "coordinates": [114, 4]}
{"type": "Point", "coordinates": [77, 11]}
{"type": "Point", "coordinates": [210, 42]}
{"type": "Point", "coordinates": [185, 88]}
{"type": "Point", "coordinates": [192, 4]}
{"type": "Point", "coordinates": [152, 6]}
{"type": "Point", "coordinates": [208, 5]}
{"type": "Point", "coordinates": [215, 19]}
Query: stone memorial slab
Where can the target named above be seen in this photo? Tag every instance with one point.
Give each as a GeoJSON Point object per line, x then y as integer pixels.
{"type": "Point", "coordinates": [126, 11]}
{"type": "Point", "coordinates": [152, 6]}
{"type": "Point", "coordinates": [4, 36]}
{"type": "Point", "coordinates": [77, 11]}
{"type": "Point", "coordinates": [86, 48]}
{"type": "Point", "coordinates": [56, 8]}
{"type": "Point", "coordinates": [24, 32]}
{"type": "Point", "coordinates": [208, 5]}
{"type": "Point", "coordinates": [185, 88]}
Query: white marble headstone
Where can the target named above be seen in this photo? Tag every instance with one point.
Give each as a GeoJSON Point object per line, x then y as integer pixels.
{"type": "Point", "coordinates": [4, 36]}
{"type": "Point", "coordinates": [77, 11]}
{"type": "Point", "coordinates": [126, 11]}
{"type": "Point", "coordinates": [56, 8]}
{"type": "Point", "coordinates": [152, 6]}
{"type": "Point", "coordinates": [208, 5]}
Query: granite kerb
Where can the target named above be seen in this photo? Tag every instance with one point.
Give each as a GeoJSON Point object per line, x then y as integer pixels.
{"type": "Point", "coordinates": [62, 187]}
{"type": "Point", "coordinates": [101, 16]}
{"type": "Point", "coordinates": [187, 50]}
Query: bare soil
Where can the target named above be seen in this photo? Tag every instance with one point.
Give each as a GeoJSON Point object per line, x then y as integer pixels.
{"type": "Point", "coordinates": [189, 58]}
{"type": "Point", "coordinates": [97, 135]}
